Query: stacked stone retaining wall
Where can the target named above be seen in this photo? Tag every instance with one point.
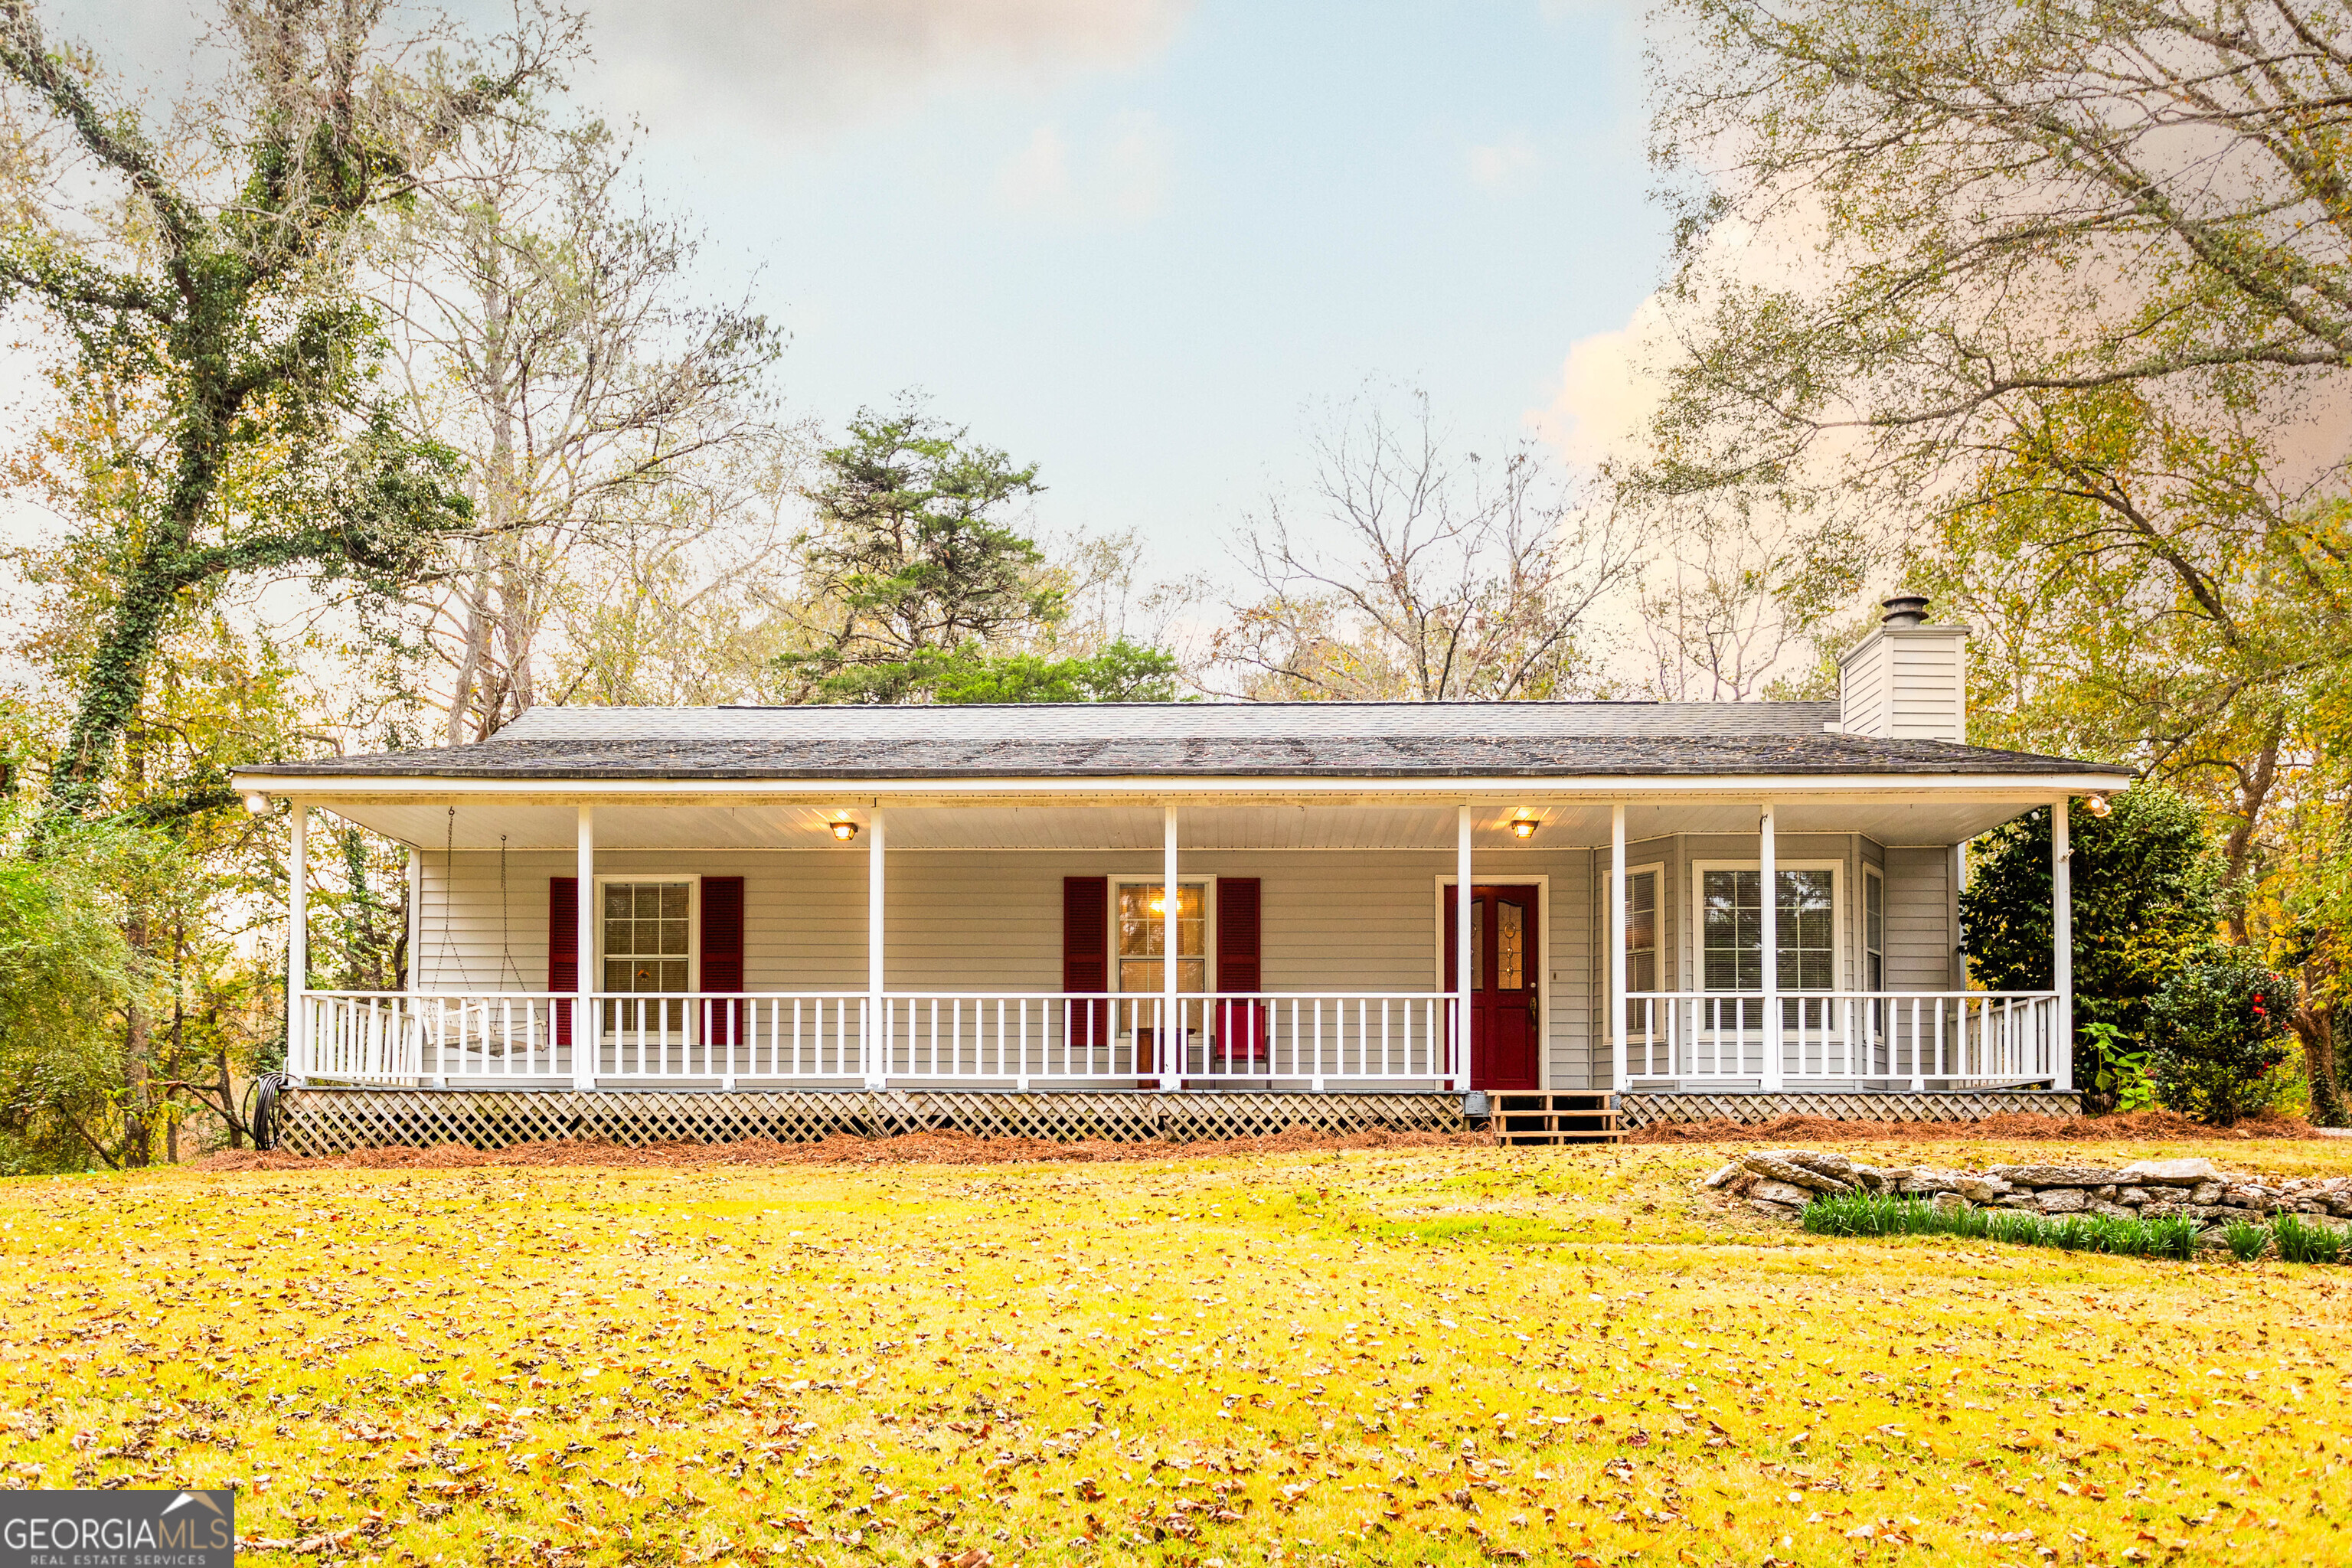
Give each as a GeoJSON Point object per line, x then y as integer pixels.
{"type": "Point", "coordinates": [1780, 1183]}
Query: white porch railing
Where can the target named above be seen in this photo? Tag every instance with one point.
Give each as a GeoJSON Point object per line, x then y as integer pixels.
{"type": "Point", "coordinates": [1012, 1039]}
{"type": "Point", "coordinates": [390, 1036]}
{"type": "Point", "coordinates": [1233, 1037]}
{"type": "Point", "coordinates": [1846, 1036]}
{"type": "Point", "coordinates": [395, 1037]}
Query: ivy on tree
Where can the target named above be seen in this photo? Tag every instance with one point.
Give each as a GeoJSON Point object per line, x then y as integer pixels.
{"type": "Point", "coordinates": [229, 291]}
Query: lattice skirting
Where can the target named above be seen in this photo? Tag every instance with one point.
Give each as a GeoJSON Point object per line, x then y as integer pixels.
{"type": "Point", "coordinates": [337, 1121]}
{"type": "Point", "coordinates": [1956, 1105]}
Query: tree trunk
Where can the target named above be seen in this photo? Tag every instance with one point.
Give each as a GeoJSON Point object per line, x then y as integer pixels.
{"type": "Point", "coordinates": [475, 588]}
{"type": "Point", "coordinates": [179, 1040]}
{"type": "Point", "coordinates": [229, 1118]}
{"type": "Point", "coordinates": [2253, 789]}
{"type": "Point", "coordinates": [139, 1041]}
{"type": "Point", "coordinates": [2313, 1022]}
{"type": "Point", "coordinates": [138, 1117]}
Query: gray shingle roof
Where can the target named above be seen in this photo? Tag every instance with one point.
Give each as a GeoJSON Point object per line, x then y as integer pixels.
{"type": "Point", "coordinates": [1088, 721]}
{"type": "Point", "coordinates": [1492, 740]}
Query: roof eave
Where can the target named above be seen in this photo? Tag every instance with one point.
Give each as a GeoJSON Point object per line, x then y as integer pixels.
{"type": "Point", "coordinates": [2071, 778]}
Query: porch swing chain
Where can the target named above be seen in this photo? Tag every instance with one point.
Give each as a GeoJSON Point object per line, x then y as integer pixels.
{"type": "Point", "coordinates": [505, 940]}
{"type": "Point", "coordinates": [450, 953]}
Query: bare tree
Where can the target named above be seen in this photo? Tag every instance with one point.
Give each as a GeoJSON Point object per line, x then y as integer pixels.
{"type": "Point", "coordinates": [1735, 607]}
{"type": "Point", "coordinates": [691, 598]}
{"type": "Point", "coordinates": [538, 302]}
{"type": "Point", "coordinates": [1420, 573]}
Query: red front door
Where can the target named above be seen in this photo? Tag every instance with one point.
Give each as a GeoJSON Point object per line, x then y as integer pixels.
{"type": "Point", "coordinates": [1505, 1035]}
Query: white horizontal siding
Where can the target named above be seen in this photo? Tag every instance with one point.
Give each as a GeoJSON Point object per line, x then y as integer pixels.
{"type": "Point", "coordinates": [803, 916]}
{"type": "Point", "coordinates": [1906, 683]}
{"type": "Point", "coordinates": [1920, 938]}
{"type": "Point", "coordinates": [1862, 689]}
{"type": "Point", "coordinates": [986, 920]}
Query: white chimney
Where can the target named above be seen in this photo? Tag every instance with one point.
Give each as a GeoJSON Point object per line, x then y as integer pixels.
{"type": "Point", "coordinates": [1907, 680]}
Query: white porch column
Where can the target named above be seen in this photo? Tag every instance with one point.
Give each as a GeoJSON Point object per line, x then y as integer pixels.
{"type": "Point", "coordinates": [878, 1021]}
{"type": "Point", "coordinates": [1172, 1025]}
{"type": "Point", "coordinates": [297, 938]}
{"type": "Point", "coordinates": [1462, 978]}
{"type": "Point", "coordinates": [1617, 1006]}
{"type": "Point", "coordinates": [584, 1008]}
{"type": "Point", "coordinates": [415, 917]}
{"type": "Point", "coordinates": [2062, 943]}
{"type": "Point", "coordinates": [1769, 879]}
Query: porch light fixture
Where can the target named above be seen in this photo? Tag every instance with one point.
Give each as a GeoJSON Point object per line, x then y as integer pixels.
{"type": "Point", "coordinates": [845, 831]}
{"type": "Point", "coordinates": [1524, 827]}
{"type": "Point", "coordinates": [2099, 805]}
{"type": "Point", "coordinates": [257, 803]}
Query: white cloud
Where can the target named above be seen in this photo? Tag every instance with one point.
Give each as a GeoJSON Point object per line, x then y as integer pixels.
{"type": "Point", "coordinates": [1493, 166]}
{"type": "Point", "coordinates": [1119, 173]}
{"type": "Point", "coordinates": [778, 65]}
{"type": "Point", "coordinates": [1134, 167]}
{"type": "Point", "coordinates": [1039, 175]}
{"type": "Point", "coordinates": [1607, 392]}
{"type": "Point", "coordinates": [1612, 383]}
{"type": "Point", "coordinates": [802, 64]}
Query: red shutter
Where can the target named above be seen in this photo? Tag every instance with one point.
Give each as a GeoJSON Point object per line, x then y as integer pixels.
{"type": "Point", "coordinates": [1240, 1026]}
{"type": "Point", "coordinates": [722, 957]}
{"type": "Point", "coordinates": [1237, 921]}
{"type": "Point", "coordinates": [1085, 955]}
{"type": "Point", "coordinates": [563, 949]}
{"type": "Point", "coordinates": [1085, 934]}
{"type": "Point", "coordinates": [722, 933]}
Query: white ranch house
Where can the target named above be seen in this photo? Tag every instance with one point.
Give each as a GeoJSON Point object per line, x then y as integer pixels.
{"type": "Point", "coordinates": [1195, 897]}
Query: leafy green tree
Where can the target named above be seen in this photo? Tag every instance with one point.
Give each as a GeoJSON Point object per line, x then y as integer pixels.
{"type": "Point", "coordinates": [68, 974]}
{"type": "Point", "coordinates": [1120, 673]}
{"type": "Point", "coordinates": [224, 288]}
{"type": "Point", "coordinates": [1950, 275]}
{"type": "Point", "coordinates": [1991, 204]}
{"type": "Point", "coordinates": [922, 588]}
{"type": "Point", "coordinates": [2220, 1035]}
{"type": "Point", "coordinates": [2146, 881]}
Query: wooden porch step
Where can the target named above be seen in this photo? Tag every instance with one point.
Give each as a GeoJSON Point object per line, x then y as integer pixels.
{"type": "Point", "coordinates": [1569, 1115]}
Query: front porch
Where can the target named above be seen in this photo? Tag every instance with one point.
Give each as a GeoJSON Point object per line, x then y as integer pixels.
{"type": "Point", "coordinates": [1015, 1041]}
{"type": "Point", "coordinates": [1019, 1041]}
{"type": "Point", "coordinates": [1300, 946]}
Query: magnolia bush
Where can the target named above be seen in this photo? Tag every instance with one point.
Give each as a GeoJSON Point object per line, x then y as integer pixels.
{"type": "Point", "coordinates": [2220, 1032]}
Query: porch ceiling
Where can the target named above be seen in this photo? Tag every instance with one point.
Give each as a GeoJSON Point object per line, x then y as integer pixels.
{"type": "Point", "coordinates": [480, 823]}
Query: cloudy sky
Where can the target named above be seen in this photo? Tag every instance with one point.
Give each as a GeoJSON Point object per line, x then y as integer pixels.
{"type": "Point", "coordinates": [1136, 240]}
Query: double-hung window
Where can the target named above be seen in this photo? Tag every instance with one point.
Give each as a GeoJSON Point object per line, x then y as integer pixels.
{"type": "Point", "coordinates": [1641, 931]}
{"type": "Point", "coordinates": [1141, 932]}
{"type": "Point", "coordinates": [1874, 930]}
{"type": "Point", "coordinates": [1731, 927]}
{"type": "Point", "coordinates": [645, 947]}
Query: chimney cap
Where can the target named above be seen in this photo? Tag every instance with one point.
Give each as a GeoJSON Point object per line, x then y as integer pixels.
{"type": "Point", "coordinates": [1904, 610]}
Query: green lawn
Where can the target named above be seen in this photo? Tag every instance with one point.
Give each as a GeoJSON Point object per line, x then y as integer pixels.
{"type": "Point", "coordinates": [1455, 1355]}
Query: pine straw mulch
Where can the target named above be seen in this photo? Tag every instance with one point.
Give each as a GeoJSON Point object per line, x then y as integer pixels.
{"type": "Point", "coordinates": [951, 1148]}
{"type": "Point", "coordinates": [945, 1148]}
{"type": "Point", "coordinates": [2015, 1127]}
